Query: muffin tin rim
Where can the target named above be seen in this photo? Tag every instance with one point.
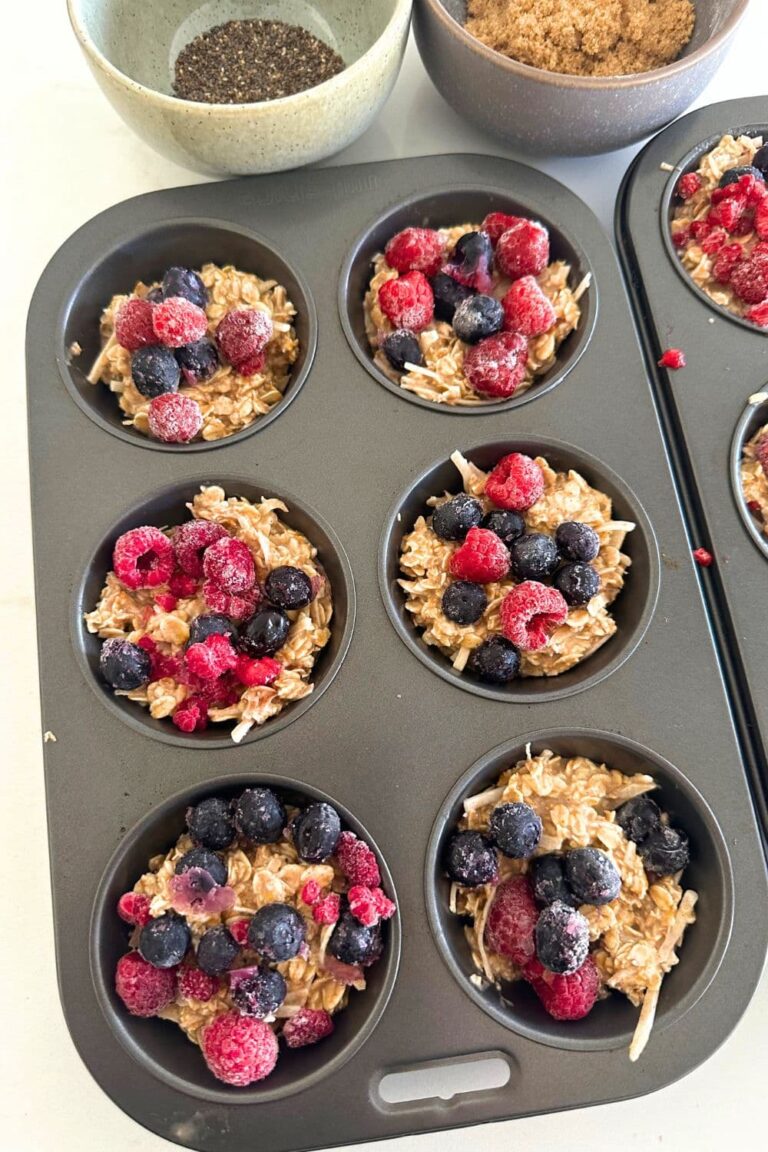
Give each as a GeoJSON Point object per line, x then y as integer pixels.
{"type": "Point", "coordinates": [511, 750]}
{"type": "Point", "coordinates": [101, 911]}
{"type": "Point", "coordinates": [293, 709]}
{"type": "Point", "coordinates": [65, 361]}
{"type": "Point", "coordinates": [583, 332]}
{"type": "Point", "coordinates": [741, 432]}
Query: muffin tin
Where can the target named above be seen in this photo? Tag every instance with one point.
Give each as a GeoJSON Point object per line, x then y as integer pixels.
{"type": "Point", "coordinates": [390, 737]}
{"type": "Point", "coordinates": [705, 408]}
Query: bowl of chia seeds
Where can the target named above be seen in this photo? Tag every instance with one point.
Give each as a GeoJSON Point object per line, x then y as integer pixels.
{"type": "Point", "coordinates": [230, 90]}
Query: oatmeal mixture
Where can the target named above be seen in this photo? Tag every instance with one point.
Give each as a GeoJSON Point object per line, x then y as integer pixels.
{"type": "Point", "coordinates": [170, 619]}
{"type": "Point", "coordinates": [585, 37]}
{"type": "Point", "coordinates": [426, 558]}
{"type": "Point", "coordinates": [633, 938]}
{"type": "Point", "coordinates": [754, 478]}
{"type": "Point", "coordinates": [230, 398]}
{"type": "Point", "coordinates": [720, 226]}
{"type": "Point", "coordinates": [440, 377]}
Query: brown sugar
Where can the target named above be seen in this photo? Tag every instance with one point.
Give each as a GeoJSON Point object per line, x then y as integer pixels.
{"type": "Point", "coordinates": [584, 37]}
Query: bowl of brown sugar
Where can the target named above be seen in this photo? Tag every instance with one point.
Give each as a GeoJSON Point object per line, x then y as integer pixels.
{"type": "Point", "coordinates": [573, 77]}
{"type": "Point", "coordinates": [247, 86]}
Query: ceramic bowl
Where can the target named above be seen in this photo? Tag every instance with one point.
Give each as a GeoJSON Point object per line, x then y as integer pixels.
{"type": "Point", "coordinates": [553, 114]}
{"type": "Point", "coordinates": [131, 47]}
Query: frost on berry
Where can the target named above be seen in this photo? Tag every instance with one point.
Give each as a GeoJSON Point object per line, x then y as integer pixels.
{"type": "Point", "coordinates": [196, 893]}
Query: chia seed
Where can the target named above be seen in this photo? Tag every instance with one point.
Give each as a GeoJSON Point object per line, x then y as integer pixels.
{"type": "Point", "coordinates": [248, 61]}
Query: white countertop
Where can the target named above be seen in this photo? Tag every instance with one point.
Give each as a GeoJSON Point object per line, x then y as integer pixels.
{"type": "Point", "coordinates": [70, 158]}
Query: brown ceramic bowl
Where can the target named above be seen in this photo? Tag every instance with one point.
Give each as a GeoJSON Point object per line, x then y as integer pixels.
{"type": "Point", "coordinates": [553, 114]}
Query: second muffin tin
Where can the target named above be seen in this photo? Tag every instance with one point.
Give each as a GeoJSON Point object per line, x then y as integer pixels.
{"type": "Point", "coordinates": [389, 738]}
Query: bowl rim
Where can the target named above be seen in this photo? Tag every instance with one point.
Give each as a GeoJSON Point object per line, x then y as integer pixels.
{"type": "Point", "coordinates": [756, 408]}
{"type": "Point", "coordinates": [571, 80]}
{"type": "Point", "coordinates": [194, 107]}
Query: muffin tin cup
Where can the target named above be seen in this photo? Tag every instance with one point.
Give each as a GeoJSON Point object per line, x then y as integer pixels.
{"type": "Point", "coordinates": [168, 507]}
{"type": "Point", "coordinates": [632, 609]}
{"type": "Point", "coordinates": [754, 417]}
{"type": "Point", "coordinates": [611, 1023]}
{"type": "Point", "coordinates": [445, 209]}
{"type": "Point", "coordinates": [144, 256]}
{"type": "Point", "coordinates": [160, 1046]}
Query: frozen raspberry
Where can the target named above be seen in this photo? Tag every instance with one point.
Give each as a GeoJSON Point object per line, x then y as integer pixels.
{"type": "Point", "coordinates": [310, 893]}
{"type": "Point", "coordinates": [749, 279]}
{"type": "Point", "coordinates": [190, 541]}
{"type": "Point", "coordinates": [357, 861]}
{"type": "Point", "coordinates": [673, 358]}
{"type": "Point", "coordinates": [728, 213]}
{"type": "Point", "coordinates": [523, 250]}
{"type": "Point", "coordinates": [688, 185]}
{"type": "Point", "coordinates": [174, 419]}
{"type": "Point", "coordinates": [328, 910]}
{"type": "Point", "coordinates": [133, 907]}
{"type": "Point", "coordinates": [212, 658]}
{"type": "Point", "coordinates": [191, 715]}
{"type": "Point", "coordinates": [569, 997]}
{"type": "Point", "coordinates": [703, 557]}
{"type": "Point", "coordinates": [384, 906]}
{"type": "Point", "coordinates": [681, 237]}
{"type": "Point", "coordinates": [758, 315]}
{"type": "Point", "coordinates": [511, 920]}
{"type": "Point", "coordinates": [143, 558]}
{"type": "Point", "coordinates": [307, 1027]}
{"type": "Point", "coordinates": [228, 563]}
{"type": "Point", "coordinates": [415, 250]}
{"type": "Point", "coordinates": [530, 612]}
{"type": "Point", "coordinates": [255, 673]}
{"type": "Point", "coordinates": [133, 324]}
{"type": "Point", "coordinates": [178, 322]}
{"type": "Point", "coordinates": [143, 989]}
{"type": "Point", "coordinates": [526, 309]}
{"type": "Point", "coordinates": [482, 558]}
{"type": "Point", "coordinates": [242, 336]}
{"type": "Point", "coordinates": [408, 301]}
{"type": "Point", "coordinates": [166, 601]}
{"type": "Point", "coordinates": [700, 229]}
{"type": "Point", "coordinates": [161, 664]}
{"type": "Point", "coordinates": [194, 984]}
{"type": "Point", "coordinates": [236, 607]}
{"type": "Point", "coordinates": [182, 586]}
{"type": "Point", "coordinates": [496, 366]}
{"type": "Point", "coordinates": [727, 259]}
{"type": "Point", "coordinates": [761, 218]}
{"type": "Point", "coordinates": [239, 930]}
{"type": "Point", "coordinates": [516, 483]}
{"type": "Point", "coordinates": [714, 242]}
{"type": "Point", "coordinates": [239, 1049]}
{"type": "Point", "coordinates": [754, 507]}
{"type": "Point", "coordinates": [362, 905]}
{"type": "Point", "coordinates": [496, 224]}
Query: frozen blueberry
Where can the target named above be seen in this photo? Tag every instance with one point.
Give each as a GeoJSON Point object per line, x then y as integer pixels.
{"type": "Point", "coordinates": [352, 943]}
{"type": "Point", "coordinates": [471, 259]}
{"type": "Point", "coordinates": [260, 993]}
{"type": "Point", "coordinates": [208, 861]}
{"type": "Point", "coordinates": [264, 633]}
{"type": "Point", "coordinates": [316, 831]}
{"type": "Point", "coordinates": [276, 932]}
{"type": "Point", "coordinates": [515, 829]}
{"type": "Point", "coordinates": [155, 371]}
{"type": "Point", "coordinates": [592, 876]}
{"type": "Point", "coordinates": [288, 587]}
{"type": "Point", "coordinates": [506, 525]}
{"type": "Point", "coordinates": [577, 583]}
{"type": "Point", "coordinates": [577, 541]}
{"type": "Point", "coordinates": [210, 823]}
{"type": "Point", "coordinates": [549, 883]}
{"type": "Point", "coordinates": [260, 816]}
{"type": "Point", "coordinates": [464, 602]}
{"type": "Point", "coordinates": [733, 175]}
{"type": "Point", "coordinates": [496, 661]}
{"type": "Point", "coordinates": [217, 951]}
{"type": "Point", "coordinates": [155, 296]}
{"type": "Point", "coordinates": [211, 624]}
{"type": "Point", "coordinates": [198, 361]}
{"type": "Point", "coordinates": [534, 556]}
{"type": "Point", "coordinates": [639, 817]}
{"type": "Point", "coordinates": [470, 859]}
{"type": "Point", "coordinates": [760, 160]}
{"type": "Point", "coordinates": [478, 317]}
{"type": "Point", "coordinates": [452, 520]}
{"type": "Point", "coordinates": [124, 665]}
{"type": "Point", "coordinates": [402, 347]}
{"type": "Point", "coordinates": [448, 295]}
{"type": "Point", "coordinates": [184, 282]}
{"type": "Point", "coordinates": [562, 938]}
{"type": "Point", "coordinates": [665, 851]}
{"type": "Point", "coordinates": [163, 942]}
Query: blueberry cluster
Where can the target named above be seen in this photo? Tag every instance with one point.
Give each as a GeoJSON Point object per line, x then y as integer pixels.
{"type": "Point", "coordinates": [663, 848]}
{"type": "Point", "coordinates": [157, 369]}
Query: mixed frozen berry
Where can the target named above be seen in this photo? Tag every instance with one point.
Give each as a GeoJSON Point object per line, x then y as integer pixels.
{"type": "Point", "coordinates": [192, 945]}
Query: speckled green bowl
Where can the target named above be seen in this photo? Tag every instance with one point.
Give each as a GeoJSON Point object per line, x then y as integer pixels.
{"type": "Point", "coordinates": [131, 46]}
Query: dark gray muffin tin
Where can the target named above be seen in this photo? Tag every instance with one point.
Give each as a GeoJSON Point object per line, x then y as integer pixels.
{"type": "Point", "coordinates": [705, 408]}
{"type": "Point", "coordinates": [389, 738]}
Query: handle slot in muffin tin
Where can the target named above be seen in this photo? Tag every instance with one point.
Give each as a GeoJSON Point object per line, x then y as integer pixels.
{"type": "Point", "coordinates": [388, 739]}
